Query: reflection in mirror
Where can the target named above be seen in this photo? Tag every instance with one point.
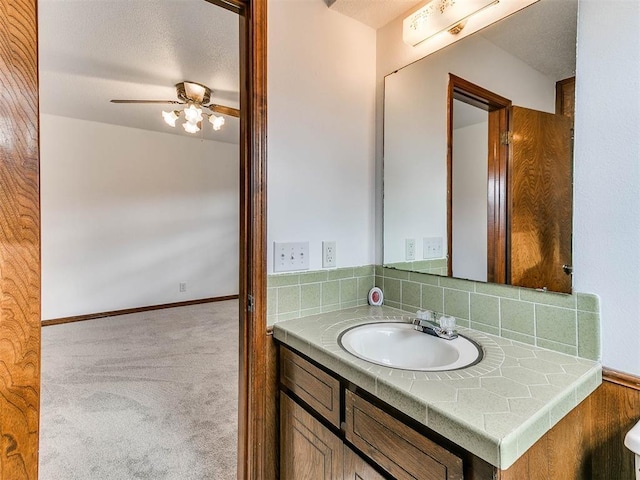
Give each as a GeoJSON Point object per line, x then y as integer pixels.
{"type": "Point", "coordinates": [469, 191]}
{"type": "Point", "coordinates": [475, 198]}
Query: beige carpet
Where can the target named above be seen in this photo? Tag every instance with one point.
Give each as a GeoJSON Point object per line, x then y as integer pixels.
{"type": "Point", "coordinates": [143, 396]}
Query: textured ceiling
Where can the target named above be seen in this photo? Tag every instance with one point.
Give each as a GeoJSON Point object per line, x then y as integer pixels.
{"type": "Point", "coordinates": [92, 51]}
{"type": "Point", "coordinates": [375, 13]}
{"type": "Point", "coordinates": [551, 22]}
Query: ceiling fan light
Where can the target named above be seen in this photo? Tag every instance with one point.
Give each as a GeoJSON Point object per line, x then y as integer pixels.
{"type": "Point", "coordinates": [217, 122]}
{"type": "Point", "coordinates": [193, 114]}
{"type": "Point", "coordinates": [191, 127]}
{"type": "Point", "coordinates": [171, 117]}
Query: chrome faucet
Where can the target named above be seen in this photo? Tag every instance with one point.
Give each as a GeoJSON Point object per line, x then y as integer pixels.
{"type": "Point", "coordinates": [431, 328]}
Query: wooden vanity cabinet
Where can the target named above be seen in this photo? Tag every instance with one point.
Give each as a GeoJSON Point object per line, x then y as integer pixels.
{"type": "Point", "coordinates": [320, 420]}
{"type": "Point", "coordinates": [332, 430]}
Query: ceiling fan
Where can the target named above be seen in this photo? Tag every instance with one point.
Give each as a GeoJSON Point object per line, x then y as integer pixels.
{"type": "Point", "coordinates": [196, 97]}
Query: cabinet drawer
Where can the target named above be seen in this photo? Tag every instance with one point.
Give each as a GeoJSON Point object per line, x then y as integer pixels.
{"type": "Point", "coordinates": [397, 448]}
{"type": "Point", "coordinates": [318, 389]}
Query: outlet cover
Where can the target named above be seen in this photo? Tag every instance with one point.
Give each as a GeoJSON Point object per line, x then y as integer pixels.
{"type": "Point", "coordinates": [290, 257]}
{"type": "Point", "coordinates": [410, 249]}
{"type": "Point", "coordinates": [328, 254]}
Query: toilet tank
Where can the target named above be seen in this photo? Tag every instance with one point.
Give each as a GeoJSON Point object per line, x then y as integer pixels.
{"type": "Point", "coordinates": [632, 442]}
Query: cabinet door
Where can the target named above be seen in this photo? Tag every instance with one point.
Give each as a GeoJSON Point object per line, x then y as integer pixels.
{"type": "Point", "coordinates": [355, 468]}
{"type": "Point", "coordinates": [308, 450]}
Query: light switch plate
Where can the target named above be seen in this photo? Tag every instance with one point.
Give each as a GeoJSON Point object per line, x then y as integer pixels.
{"type": "Point", "coordinates": [291, 256]}
{"type": "Point", "coordinates": [432, 247]}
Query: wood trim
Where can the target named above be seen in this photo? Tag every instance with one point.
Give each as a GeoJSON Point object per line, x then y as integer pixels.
{"type": "Point", "coordinates": [272, 444]}
{"type": "Point", "coordinates": [498, 238]}
{"type": "Point", "coordinates": [235, 6]}
{"type": "Point", "coordinates": [476, 95]}
{"type": "Point", "coordinates": [253, 381]}
{"type": "Point", "coordinates": [620, 378]}
{"type": "Point", "coordinates": [19, 242]}
{"type": "Point", "coordinates": [566, 96]}
{"type": "Point", "coordinates": [450, 98]}
{"type": "Point", "coordinates": [497, 164]}
{"type": "Point", "coordinates": [126, 311]}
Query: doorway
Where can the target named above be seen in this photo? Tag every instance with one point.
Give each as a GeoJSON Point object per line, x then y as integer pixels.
{"type": "Point", "coordinates": [491, 111]}
{"type": "Point", "coordinates": [19, 253]}
{"type": "Point", "coordinates": [136, 215]}
{"type": "Point", "coordinates": [528, 200]}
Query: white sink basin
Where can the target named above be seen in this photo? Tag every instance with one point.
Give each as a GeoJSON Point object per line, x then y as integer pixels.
{"type": "Point", "coordinates": [398, 345]}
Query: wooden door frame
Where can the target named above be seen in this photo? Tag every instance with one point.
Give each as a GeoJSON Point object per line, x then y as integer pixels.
{"type": "Point", "coordinates": [498, 108]}
{"type": "Point", "coordinates": [20, 319]}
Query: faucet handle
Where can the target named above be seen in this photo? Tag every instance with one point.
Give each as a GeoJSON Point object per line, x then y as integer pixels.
{"type": "Point", "coordinates": [448, 324]}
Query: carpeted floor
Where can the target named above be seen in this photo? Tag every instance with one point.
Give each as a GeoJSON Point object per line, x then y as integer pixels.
{"type": "Point", "coordinates": [143, 396]}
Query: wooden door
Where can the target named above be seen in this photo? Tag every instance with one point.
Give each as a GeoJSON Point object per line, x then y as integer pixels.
{"type": "Point", "coordinates": [540, 179]}
{"type": "Point", "coordinates": [19, 242]}
{"type": "Point", "coordinates": [355, 468]}
{"type": "Point", "coordinates": [308, 450]}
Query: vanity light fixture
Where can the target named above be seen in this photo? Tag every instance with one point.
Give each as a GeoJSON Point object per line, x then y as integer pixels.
{"type": "Point", "coordinates": [439, 16]}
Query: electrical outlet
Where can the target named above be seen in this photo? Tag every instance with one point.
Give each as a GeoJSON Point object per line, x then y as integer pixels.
{"type": "Point", "coordinates": [328, 254]}
{"type": "Point", "coordinates": [410, 249]}
{"type": "Point", "coordinates": [182, 287]}
{"type": "Point", "coordinates": [432, 247]}
{"type": "Point", "coordinates": [289, 257]}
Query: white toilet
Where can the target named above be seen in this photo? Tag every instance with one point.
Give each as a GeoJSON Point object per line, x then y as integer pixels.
{"type": "Point", "coordinates": [632, 442]}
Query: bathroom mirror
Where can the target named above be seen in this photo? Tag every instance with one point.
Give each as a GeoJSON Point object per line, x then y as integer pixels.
{"type": "Point", "coordinates": [478, 154]}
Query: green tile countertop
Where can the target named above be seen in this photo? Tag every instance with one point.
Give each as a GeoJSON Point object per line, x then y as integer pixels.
{"type": "Point", "coordinates": [495, 409]}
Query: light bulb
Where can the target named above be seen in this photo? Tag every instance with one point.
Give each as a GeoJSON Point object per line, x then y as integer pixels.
{"type": "Point", "coordinates": [193, 114]}
{"type": "Point", "coordinates": [171, 117]}
{"type": "Point", "coordinates": [190, 127]}
{"type": "Point", "coordinates": [217, 122]}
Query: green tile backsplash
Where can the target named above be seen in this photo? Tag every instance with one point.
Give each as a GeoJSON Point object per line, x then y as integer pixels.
{"type": "Point", "coordinates": [294, 295]}
{"type": "Point", "coordinates": [437, 266]}
{"type": "Point", "coordinates": [564, 323]}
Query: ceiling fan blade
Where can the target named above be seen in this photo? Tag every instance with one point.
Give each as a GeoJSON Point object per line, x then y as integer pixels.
{"type": "Point", "coordinates": [233, 112]}
{"type": "Point", "coordinates": [172, 102]}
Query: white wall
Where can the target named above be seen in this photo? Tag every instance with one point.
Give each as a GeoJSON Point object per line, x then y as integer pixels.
{"type": "Point", "coordinates": [321, 113]}
{"type": "Point", "coordinates": [469, 197]}
{"type": "Point", "coordinates": [607, 173]}
{"type": "Point", "coordinates": [415, 130]}
{"type": "Point", "coordinates": [128, 214]}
